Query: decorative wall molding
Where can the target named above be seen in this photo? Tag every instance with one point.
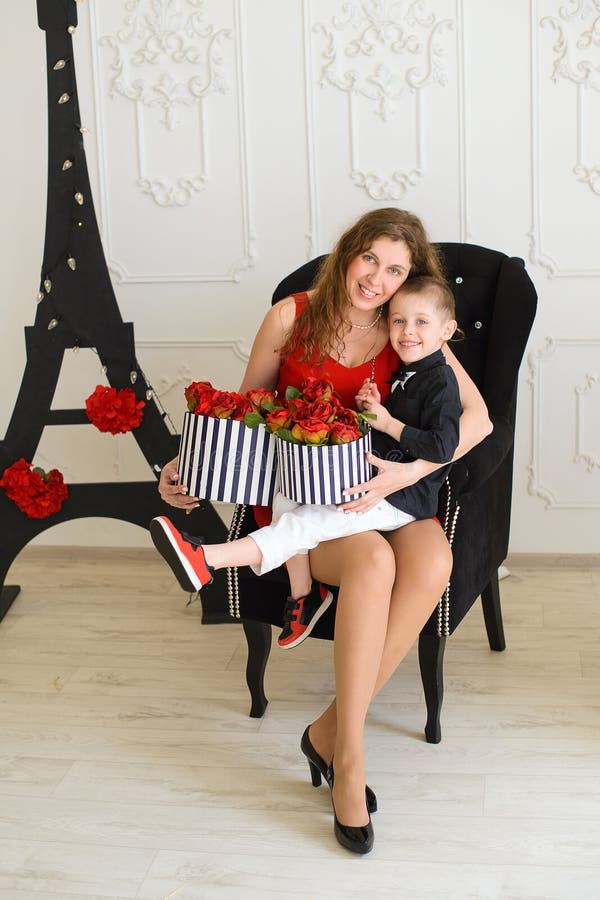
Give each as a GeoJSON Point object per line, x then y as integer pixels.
{"type": "Point", "coordinates": [165, 31]}
{"type": "Point", "coordinates": [573, 42]}
{"type": "Point", "coordinates": [159, 30]}
{"type": "Point", "coordinates": [582, 392]}
{"type": "Point", "coordinates": [184, 373]}
{"type": "Point", "coordinates": [536, 486]}
{"type": "Point", "coordinates": [412, 36]}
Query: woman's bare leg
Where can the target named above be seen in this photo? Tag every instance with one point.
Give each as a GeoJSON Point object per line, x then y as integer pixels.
{"type": "Point", "coordinates": [423, 565]}
{"type": "Point", "coordinates": [366, 568]}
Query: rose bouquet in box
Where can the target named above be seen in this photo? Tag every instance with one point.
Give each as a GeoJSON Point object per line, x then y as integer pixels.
{"type": "Point", "coordinates": [321, 445]}
{"type": "Point", "coordinates": [220, 458]}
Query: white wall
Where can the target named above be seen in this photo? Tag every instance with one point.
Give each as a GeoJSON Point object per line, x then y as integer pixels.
{"type": "Point", "coordinates": [483, 118]}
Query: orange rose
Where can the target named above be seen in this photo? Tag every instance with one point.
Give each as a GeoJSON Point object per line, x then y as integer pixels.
{"type": "Point", "coordinates": [262, 401]}
{"type": "Point", "coordinates": [311, 431]}
{"type": "Point", "coordinates": [279, 418]}
{"type": "Point", "coordinates": [223, 405]}
{"type": "Point", "coordinates": [341, 433]}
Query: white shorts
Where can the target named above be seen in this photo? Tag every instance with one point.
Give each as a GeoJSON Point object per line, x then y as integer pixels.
{"type": "Point", "coordinates": [297, 528]}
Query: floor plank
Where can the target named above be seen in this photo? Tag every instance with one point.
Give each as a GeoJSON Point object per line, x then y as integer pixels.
{"type": "Point", "coordinates": [129, 766]}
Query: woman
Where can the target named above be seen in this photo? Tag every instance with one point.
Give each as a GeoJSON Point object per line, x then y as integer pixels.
{"type": "Point", "coordinates": [390, 583]}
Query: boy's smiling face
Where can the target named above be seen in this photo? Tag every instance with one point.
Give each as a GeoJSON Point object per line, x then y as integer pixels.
{"type": "Point", "coordinates": [417, 326]}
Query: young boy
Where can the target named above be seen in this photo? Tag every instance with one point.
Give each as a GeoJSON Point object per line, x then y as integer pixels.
{"type": "Point", "coordinates": [419, 420]}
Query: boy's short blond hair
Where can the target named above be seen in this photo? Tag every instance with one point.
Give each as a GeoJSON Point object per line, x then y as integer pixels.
{"type": "Point", "coordinates": [439, 291]}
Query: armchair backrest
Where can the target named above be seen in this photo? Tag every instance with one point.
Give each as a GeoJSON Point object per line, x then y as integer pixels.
{"type": "Point", "coordinates": [495, 307]}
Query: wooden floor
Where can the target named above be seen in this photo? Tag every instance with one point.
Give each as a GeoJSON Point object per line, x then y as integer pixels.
{"type": "Point", "coordinates": [129, 766]}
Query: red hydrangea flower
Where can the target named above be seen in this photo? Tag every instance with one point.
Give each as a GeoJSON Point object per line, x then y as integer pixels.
{"type": "Point", "coordinates": [37, 493]}
{"type": "Point", "coordinates": [114, 411]}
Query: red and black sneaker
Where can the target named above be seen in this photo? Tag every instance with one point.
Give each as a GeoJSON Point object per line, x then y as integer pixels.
{"type": "Point", "coordinates": [184, 554]}
{"type": "Point", "coordinates": [301, 616]}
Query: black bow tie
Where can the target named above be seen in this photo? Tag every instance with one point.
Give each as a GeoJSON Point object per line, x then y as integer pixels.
{"type": "Point", "coordinates": [401, 376]}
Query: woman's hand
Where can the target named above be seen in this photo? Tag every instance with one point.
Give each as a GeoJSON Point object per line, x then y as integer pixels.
{"type": "Point", "coordinates": [391, 477]}
{"type": "Point", "coordinates": [171, 491]}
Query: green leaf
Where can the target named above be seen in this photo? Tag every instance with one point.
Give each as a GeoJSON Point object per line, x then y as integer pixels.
{"type": "Point", "coordinates": [286, 435]}
{"type": "Point", "coordinates": [252, 419]}
{"type": "Point", "coordinates": [39, 472]}
{"type": "Point", "coordinates": [292, 393]}
{"type": "Point", "coordinates": [268, 405]}
{"type": "Point", "coordinates": [365, 416]}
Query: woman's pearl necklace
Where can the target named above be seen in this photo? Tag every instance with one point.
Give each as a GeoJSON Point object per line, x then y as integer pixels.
{"type": "Point", "coordinates": [366, 327]}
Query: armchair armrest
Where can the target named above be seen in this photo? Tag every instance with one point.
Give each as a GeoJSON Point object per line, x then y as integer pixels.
{"type": "Point", "coordinates": [480, 463]}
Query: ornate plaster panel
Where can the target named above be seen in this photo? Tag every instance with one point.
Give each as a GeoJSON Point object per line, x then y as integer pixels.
{"type": "Point", "coordinates": [167, 62]}
{"type": "Point", "coordinates": [382, 57]}
{"type": "Point", "coordinates": [566, 51]}
{"type": "Point", "coordinates": [588, 493]}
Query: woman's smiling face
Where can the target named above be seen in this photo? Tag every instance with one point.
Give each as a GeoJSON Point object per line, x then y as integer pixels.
{"type": "Point", "coordinates": [374, 275]}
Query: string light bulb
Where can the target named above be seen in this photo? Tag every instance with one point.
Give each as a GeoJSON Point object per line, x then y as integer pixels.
{"type": "Point", "coordinates": [67, 164]}
{"type": "Point", "coordinates": [40, 296]}
{"type": "Point", "coordinates": [84, 130]}
{"type": "Point", "coordinates": [71, 263]}
{"type": "Point", "coordinates": [47, 285]}
{"type": "Point", "coordinates": [104, 370]}
{"type": "Point", "coordinates": [71, 29]}
{"type": "Point", "coordinates": [64, 98]}
{"type": "Point", "coordinates": [133, 376]}
{"type": "Point", "coordinates": [149, 394]}
{"type": "Point", "coordinates": [79, 198]}
{"type": "Point", "coordinates": [59, 64]}
{"type": "Point", "coordinates": [52, 324]}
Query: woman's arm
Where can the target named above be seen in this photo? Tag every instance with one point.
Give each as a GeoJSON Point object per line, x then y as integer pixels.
{"type": "Point", "coordinates": [475, 425]}
{"type": "Point", "coordinates": [262, 371]}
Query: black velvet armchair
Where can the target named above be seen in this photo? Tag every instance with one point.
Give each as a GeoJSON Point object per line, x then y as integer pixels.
{"type": "Point", "coordinates": [495, 302]}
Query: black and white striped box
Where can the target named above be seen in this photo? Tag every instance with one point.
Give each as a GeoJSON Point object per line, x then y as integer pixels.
{"type": "Point", "coordinates": [309, 474]}
{"type": "Point", "coordinates": [222, 459]}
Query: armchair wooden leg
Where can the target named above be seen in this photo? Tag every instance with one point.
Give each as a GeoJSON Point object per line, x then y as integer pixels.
{"type": "Point", "coordinates": [492, 614]}
{"type": "Point", "coordinates": [431, 663]}
{"type": "Point", "coordinates": [258, 638]}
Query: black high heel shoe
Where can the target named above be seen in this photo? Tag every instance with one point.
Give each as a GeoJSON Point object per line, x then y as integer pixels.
{"type": "Point", "coordinates": [357, 838]}
{"type": "Point", "coordinates": [318, 768]}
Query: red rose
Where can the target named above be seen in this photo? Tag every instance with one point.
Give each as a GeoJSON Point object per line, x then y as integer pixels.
{"type": "Point", "coordinates": [347, 416]}
{"type": "Point", "coordinates": [341, 433]}
{"type": "Point", "coordinates": [315, 389]}
{"type": "Point", "coordinates": [279, 418]}
{"type": "Point", "coordinates": [196, 392]}
{"type": "Point", "coordinates": [223, 405]}
{"type": "Point", "coordinates": [37, 493]}
{"type": "Point", "coordinates": [299, 409]}
{"type": "Point", "coordinates": [322, 409]}
{"type": "Point", "coordinates": [114, 411]}
{"type": "Point", "coordinates": [311, 431]}
{"type": "Point", "coordinates": [242, 406]}
{"type": "Point", "coordinates": [262, 401]}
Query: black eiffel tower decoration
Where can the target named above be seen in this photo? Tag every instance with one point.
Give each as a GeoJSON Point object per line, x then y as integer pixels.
{"type": "Point", "coordinates": [77, 308]}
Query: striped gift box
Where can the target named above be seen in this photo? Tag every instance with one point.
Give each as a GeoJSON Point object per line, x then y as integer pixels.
{"type": "Point", "coordinates": [320, 474]}
{"type": "Point", "coordinates": [220, 459]}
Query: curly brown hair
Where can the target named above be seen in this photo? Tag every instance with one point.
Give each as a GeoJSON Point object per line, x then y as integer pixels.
{"type": "Point", "coordinates": [320, 324]}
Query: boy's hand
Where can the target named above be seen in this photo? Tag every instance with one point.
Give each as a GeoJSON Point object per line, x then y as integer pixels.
{"type": "Point", "coordinates": [368, 391]}
{"type": "Point", "coordinates": [371, 404]}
